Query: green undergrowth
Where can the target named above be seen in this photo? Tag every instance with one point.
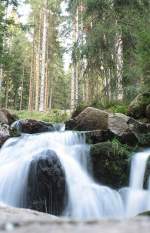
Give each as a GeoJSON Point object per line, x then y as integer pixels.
{"type": "Point", "coordinates": [115, 107]}
{"type": "Point", "coordinates": [55, 116]}
{"type": "Point", "coordinates": [123, 148]}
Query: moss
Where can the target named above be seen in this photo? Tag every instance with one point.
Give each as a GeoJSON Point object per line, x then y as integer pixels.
{"type": "Point", "coordinates": [144, 139]}
{"type": "Point", "coordinates": [111, 163]}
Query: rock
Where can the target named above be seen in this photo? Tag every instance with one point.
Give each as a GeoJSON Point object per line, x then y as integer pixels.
{"type": "Point", "coordinates": [6, 117]}
{"type": "Point", "coordinates": [110, 164]}
{"type": "Point", "coordinates": [105, 126]}
{"type": "Point", "coordinates": [147, 213]}
{"type": "Point", "coordinates": [96, 136]}
{"type": "Point", "coordinates": [78, 110]}
{"type": "Point", "coordinates": [148, 111]}
{"type": "Point", "coordinates": [118, 125]}
{"type": "Point", "coordinates": [23, 221]}
{"type": "Point", "coordinates": [32, 126]}
{"type": "Point", "coordinates": [89, 119]}
{"type": "Point", "coordinates": [101, 126]}
{"type": "Point", "coordinates": [4, 133]}
{"type": "Point", "coordinates": [46, 189]}
{"type": "Point", "coordinates": [141, 131]}
{"type": "Point", "coordinates": [14, 218]}
{"type": "Point", "coordinates": [138, 106]}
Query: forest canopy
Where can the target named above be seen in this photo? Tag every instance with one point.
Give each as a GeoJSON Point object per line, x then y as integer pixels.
{"type": "Point", "coordinates": [108, 61]}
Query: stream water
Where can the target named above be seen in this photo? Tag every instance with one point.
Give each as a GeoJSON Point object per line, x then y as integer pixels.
{"type": "Point", "coordinates": [86, 198]}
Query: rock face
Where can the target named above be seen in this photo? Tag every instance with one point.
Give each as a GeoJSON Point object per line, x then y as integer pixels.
{"type": "Point", "coordinates": [110, 164]}
{"type": "Point", "coordinates": [138, 107]}
{"type": "Point", "coordinates": [32, 126]}
{"type": "Point", "coordinates": [89, 119]}
{"type": "Point", "coordinates": [6, 117]}
{"type": "Point", "coordinates": [46, 189]}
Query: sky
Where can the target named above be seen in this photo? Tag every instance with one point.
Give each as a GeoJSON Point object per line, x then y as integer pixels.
{"type": "Point", "coordinates": [24, 11]}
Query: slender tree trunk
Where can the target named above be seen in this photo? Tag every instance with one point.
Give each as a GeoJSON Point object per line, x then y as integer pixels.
{"type": "Point", "coordinates": [73, 90]}
{"type": "Point", "coordinates": [50, 98]}
{"type": "Point", "coordinates": [119, 66]}
{"type": "Point", "coordinates": [38, 55]}
{"type": "Point", "coordinates": [43, 62]}
{"type": "Point", "coordinates": [75, 78]}
{"type": "Point", "coordinates": [30, 104]}
{"type": "Point", "coordinates": [6, 93]}
{"type": "Point", "coordinates": [1, 79]}
{"type": "Point", "coordinates": [21, 93]}
{"type": "Point", "coordinates": [46, 88]}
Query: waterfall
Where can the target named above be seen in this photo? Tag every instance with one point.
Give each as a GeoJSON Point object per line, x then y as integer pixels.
{"type": "Point", "coordinates": [138, 199]}
{"type": "Point", "coordinates": [86, 199]}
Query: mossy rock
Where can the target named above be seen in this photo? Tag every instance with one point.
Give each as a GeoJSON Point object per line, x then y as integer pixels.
{"type": "Point", "coordinates": [138, 106]}
{"type": "Point", "coordinates": [110, 162]}
{"type": "Point", "coordinates": [147, 213]}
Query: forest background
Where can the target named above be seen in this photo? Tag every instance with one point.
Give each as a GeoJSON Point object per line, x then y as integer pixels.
{"type": "Point", "coordinates": [73, 53]}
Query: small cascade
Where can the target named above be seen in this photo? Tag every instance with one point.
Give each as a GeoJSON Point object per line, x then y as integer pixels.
{"type": "Point", "coordinates": [86, 199]}
{"type": "Point", "coordinates": [137, 199]}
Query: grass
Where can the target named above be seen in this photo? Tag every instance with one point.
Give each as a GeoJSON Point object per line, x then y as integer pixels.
{"type": "Point", "coordinates": [55, 116]}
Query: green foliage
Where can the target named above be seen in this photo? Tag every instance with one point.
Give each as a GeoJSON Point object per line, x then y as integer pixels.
{"type": "Point", "coordinates": [118, 108]}
{"type": "Point", "coordinates": [55, 116]}
{"type": "Point", "coordinates": [122, 149]}
{"type": "Point", "coordinates": [115, 107]}
{"type": "Point", "coordinates": [130, 20]}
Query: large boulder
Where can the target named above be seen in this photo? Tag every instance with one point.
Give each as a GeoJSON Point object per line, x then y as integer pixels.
{"type": "Point", "coordinates": [46, 188]}
{"type": "Point", "coordinates": [137, 108]}
{"type": "Point", "coordinates": [7, 132]}
{"type": "Point", "coordinates": [105, 126]}
{"type": "Point", "coordinates": [101, 126]}
{"type": "Point", "coordinates": [32, 126]}
{"type": "Point", "coordinates": [4, 133]}
{"type": "Point", "coordinates": [110, 162]}
{"type": "Point", "coordinates": [6, 117]}
{"type": "Point", "coordinates": [89, 119]}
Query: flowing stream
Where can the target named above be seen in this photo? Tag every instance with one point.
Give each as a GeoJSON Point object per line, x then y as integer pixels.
{"type": "Point", "coordinates": [86, 198]}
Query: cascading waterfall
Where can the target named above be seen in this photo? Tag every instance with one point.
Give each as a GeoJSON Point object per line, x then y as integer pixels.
{"type": "Point", "coordinates": [138, 199]}
{"type": "Point", "coordinates": [86, 199]}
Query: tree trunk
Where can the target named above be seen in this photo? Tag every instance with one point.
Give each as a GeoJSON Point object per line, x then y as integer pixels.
{"type": "Point", "coordinates": [43, 62]}
{"type": "Point", "coordinates": [30, 104]}
{"type": "Point", "coordinates": [21, 92]}
{"type": "Point", "coordinates": [38, 55]}
{"type": "Point", "coordinates": [119, 66]}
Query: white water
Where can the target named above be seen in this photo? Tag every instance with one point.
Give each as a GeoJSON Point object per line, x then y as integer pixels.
{"type": "Point", "coordinates": [87, 200]}
{"type": "Point", "coordinates": [138, 199]}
